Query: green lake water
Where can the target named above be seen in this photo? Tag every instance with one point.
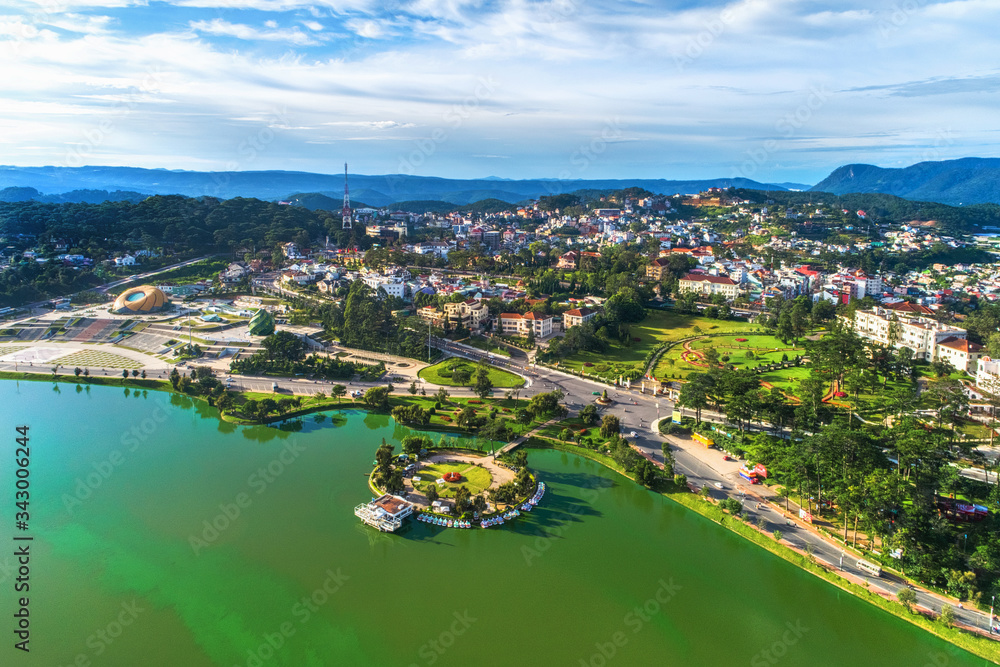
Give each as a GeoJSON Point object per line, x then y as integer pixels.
{"type": "Point", "coordinates": [124, 571]}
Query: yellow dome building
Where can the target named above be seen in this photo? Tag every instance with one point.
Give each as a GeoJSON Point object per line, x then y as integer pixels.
{"type": "Point", "coordinates": [142, 299]}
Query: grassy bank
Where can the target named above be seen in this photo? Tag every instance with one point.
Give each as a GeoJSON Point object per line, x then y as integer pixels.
{"type": "Point", "coordinates": [441, 374]}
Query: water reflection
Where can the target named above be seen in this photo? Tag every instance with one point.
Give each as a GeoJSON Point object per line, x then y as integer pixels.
{"type": "Point", "coordinates": [376, 421]}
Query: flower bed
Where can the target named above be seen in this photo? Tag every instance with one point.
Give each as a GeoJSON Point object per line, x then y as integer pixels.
{"type": "Point", "coordinates": [741, 340]}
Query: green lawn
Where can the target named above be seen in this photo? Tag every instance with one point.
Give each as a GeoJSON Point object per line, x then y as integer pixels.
{"type": "Point", "coordinates": [787, 379]}
{"type": "Point", "coordinates": [554, 430]}
{"type": "Point", "coordinates": [485, 345]}
{"type": "Point", "coordinates": [441, 373]}
{"type": "Point", "coordinates": [474, 478]}
{"type": "Point", "coordinates": [660, 326]}
{"type": "Point", "coordinates": [767, 349]}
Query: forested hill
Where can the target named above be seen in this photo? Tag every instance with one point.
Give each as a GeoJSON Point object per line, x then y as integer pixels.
{"type": "Point", "coordinates": [891, 209]}
{"type": "Point", "coordinates": [964, 181]}
{"type": "Point", "coordinates": [173, 223]}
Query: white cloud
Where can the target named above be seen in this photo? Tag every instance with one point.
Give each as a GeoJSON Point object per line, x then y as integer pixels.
{"type": "Point", "coordinates": [370, 124]}
{"type": "Point", "coordinates": [249, 33]}
{"type": "Point", "coordinates": [560, 71]}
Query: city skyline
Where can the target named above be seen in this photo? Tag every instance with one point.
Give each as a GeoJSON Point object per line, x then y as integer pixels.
{"type": "Point", "coordinates": [772, 91]}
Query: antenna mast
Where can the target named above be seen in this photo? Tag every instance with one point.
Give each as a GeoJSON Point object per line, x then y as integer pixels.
{"type": "Point", "coordinates": [346, 212]}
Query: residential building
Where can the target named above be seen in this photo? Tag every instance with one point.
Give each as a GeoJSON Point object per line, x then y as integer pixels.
{"type": "Point", "coordinates": [471, 314]}
{"type": "Point", "coordinates": [567, 261]}
{"type": "Point", "coordinates": [519, 325]}
{"type": "Point", "coordinates": [707, 285]}
{"type": "Point", "coordinates": [988, 375]}
{"type": "Point", "coordinates": [900, 326]}
{"type": "Point", "coordinates": [961, 353]}
{"type": "Point", "coordinates": [577, 316]}
{"type": "Point", "coordinates": [655, 269]}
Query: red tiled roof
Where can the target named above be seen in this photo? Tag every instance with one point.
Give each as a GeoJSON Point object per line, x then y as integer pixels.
{"type": "Point", "coordinates": [705, 278]}
{"type": "Point", "coordinates": [961, 344]}
{"type": "Point", "coordinates": [907, 307]}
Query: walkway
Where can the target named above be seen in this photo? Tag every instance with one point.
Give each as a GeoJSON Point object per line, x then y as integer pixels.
{"type": "Point", "coordinates": [520, 441]}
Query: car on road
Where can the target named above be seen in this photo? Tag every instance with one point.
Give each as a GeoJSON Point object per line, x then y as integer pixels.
{"type": "Point", "coordinates": [727, 457]}
{"type": "Point", "coordinates": [595, 393]}
{"type": "Point", "coordinates": [634, 434]}
{"type": "Point", "coordinates": [719, 485]}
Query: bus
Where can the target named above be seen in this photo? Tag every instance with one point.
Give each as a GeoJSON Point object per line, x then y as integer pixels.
{"type": "Point", "coordinates": [703, 439]}
{"type": "Point", "coordinates": [869, 568]}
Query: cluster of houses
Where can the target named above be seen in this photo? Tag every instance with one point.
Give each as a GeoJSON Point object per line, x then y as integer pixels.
{"type": "Point", "coordinates": [474, 316]}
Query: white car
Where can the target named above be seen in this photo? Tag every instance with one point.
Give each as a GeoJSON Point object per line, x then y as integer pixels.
{"type": "Point", "coordinates": [634, 434]}
{"type": "Point", "coordinates": [719, 485]}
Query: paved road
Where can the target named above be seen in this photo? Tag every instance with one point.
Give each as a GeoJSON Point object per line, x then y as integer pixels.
{"type": "Point", "coordinates": [638, 413]}
{"type": "Point", "coordinates": [39, 305]}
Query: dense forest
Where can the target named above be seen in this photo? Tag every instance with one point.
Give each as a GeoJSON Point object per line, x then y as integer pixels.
{"type": "Point", "coordinates": [171, 226]}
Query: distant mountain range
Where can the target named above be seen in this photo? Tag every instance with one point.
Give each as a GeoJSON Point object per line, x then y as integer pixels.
{"type": "Point", "coordinates": [21, 193]}
{"type": "Point", "coordinates": [374, 190]}
{"type": "Point", "coordinates": [964, 181]}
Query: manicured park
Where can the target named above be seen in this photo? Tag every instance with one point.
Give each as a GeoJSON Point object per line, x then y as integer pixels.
{"type": "Point", "coordinates": [443, 373]}
{"type": "Point", "coordinates": [660, 326]}
{"type": "Point", "coordinates": [745, 350]}
{"type": "Point", "coordinates": [474, 478]}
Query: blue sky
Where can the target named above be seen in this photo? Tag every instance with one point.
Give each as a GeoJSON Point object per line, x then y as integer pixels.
{"type": "Point", "coordinates": [774, 90]}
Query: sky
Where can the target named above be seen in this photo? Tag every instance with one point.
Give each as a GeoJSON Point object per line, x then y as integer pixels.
{"type": "Point", "coordinates": [772, 90]}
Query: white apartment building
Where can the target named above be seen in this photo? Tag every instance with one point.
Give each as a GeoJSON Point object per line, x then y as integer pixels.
{"type": "Point", "coordinates": [707, 285]}
{"type": "Point", "coordinates": [915, 331]}
{"type": "Point", "coordinates": [577, 316]}
{"type": "Point", "coordinates": [988, 375]}
{"type": "Point", "coordinates": [392, 286]}
{"type": "Point", "coordinates": [961, 353]}
{"type": "Point", "coordinates": [513, 324]}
